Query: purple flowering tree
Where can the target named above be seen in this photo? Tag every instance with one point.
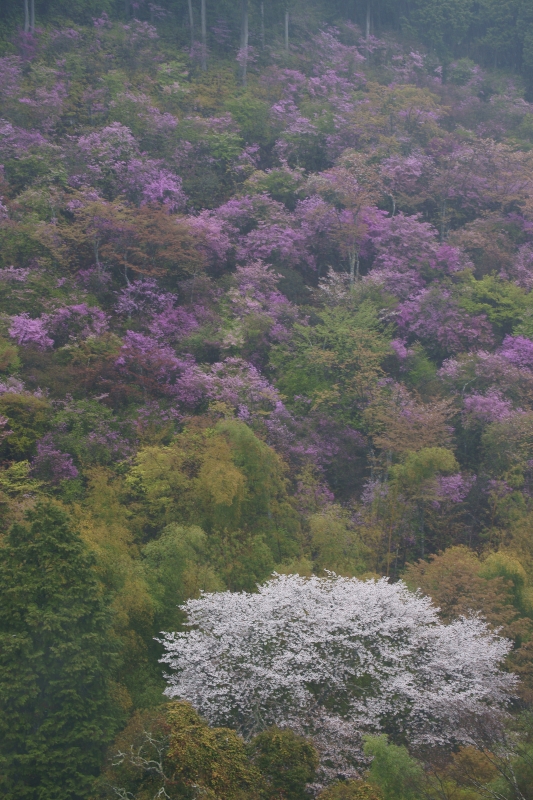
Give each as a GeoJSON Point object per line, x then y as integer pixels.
{"type": "Point", "coordinates": [50, 464]}
{"type": "Point", "coordinates": [158, 371]}
{"type": "Point", "coordinates": [26, 331]}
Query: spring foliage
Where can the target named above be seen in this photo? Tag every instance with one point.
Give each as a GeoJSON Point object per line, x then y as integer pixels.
{"type": "Point", "coordinates": [266, 303]}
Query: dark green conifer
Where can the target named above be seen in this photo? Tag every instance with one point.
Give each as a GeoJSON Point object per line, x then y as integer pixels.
{"type": "Point", "coordinates": [56, 658]}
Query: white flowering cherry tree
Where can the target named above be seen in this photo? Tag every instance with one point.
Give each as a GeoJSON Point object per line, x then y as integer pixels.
{"type": "Point", "coordinates": [334, 658]}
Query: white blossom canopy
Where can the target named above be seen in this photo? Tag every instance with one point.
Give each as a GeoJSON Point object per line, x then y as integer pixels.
{"type": "Point", "coordinates": [334, 658]}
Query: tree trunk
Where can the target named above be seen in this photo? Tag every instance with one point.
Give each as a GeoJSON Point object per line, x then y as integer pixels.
{"type": "Point", "coordinates": [204, 35]}
{"type": "Point", "coordinates": [98, 263]}
{"type": "Point", "coordinates": [443, 221]}
{"type": "Point", "coordinates": [262, 25]}
{"type": "Point", "coordinates": [353, 258]}
{"type": "Point", "coordinates": [32, 16]}
{"type": "Point", "coordinates": [286, 30]}
{"type": "Point", "coordinates": [26, 16]}
{"type": "Point", "coordinates": [244, 40]}
{"type": "Point", "coordinates": [367, 27]}
{"type": "Point", "coordinates": [191, 23]}
{"type": "Point", "coordinates": [389, 544]}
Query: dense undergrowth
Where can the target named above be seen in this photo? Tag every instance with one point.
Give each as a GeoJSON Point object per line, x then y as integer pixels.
{"type": "Point", "coordinates": [283, 326]}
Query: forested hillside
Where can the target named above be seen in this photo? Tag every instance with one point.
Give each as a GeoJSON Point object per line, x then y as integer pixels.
{"type": "Point", "coordinates": [266, 307]}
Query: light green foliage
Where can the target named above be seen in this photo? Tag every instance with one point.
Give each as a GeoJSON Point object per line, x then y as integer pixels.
{"type": "Point", "coordinates": [336, 544]}
{"type": "Point", "coordinates": [232, 485]}
{"type": "Point", "coordinates": [525, 326]}
{"type": "Point", "coordinates": [252, 116]}
{"type": "Point", "coordinates": [281, 184]}
{"type": "Point", "coordinates": [393, 770]}
{"type": "Point", "coordinates": [335, 362]}
{"type": "Point", "coordinates": [156, 479]}
{"type": "Point", "coordinates": [18, 490]}
{"type": "Point", "coordinates": [413, 474]}
{"type": "Point", "coordinates": [177, 567]}
{"type": "Point", "coordinates": [223, 478]}
{"type": "Point", "coordinates": [108, 527]}
{"type": "Point", "coordinates": [505, 566]}
{"type": "Point", "coordinates": [266, 500]}
{"type": "Point", "coordinates": [15, 479]}
{"type": "Point", "coordinates": [503, 302]}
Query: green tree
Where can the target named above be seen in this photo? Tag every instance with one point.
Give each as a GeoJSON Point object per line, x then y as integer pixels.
{"type": "Point", "coordinates": [504, 303]}
{"type": "Point", "coordinates": [28, 418]}
{"type": "Point", "coordinates": [56, 661]}
{"type": "Point", "coordinates": [171, 752]}
{"type": "Point", "coordinates": [497, 19]}
{"type": "Point", "coordinates": [414, 475]}
{"type": "Point", "coordinates": [9, 357]}
{"type": "Point", "coordinates": [398, 775]}
{"type": "Point", "coordinates": [335, 543]}
{"type": "Point", "coordinates": [233, 485]}
{"type": "Point", "coordinates": [287, 761]}
{"type": "Point", "coordinates": [351, 790]}
{"type": "Point", "coordinates": [442, 24]}
{"type": "Point", "coordinates": [336, 363]}
{"type": "Point", "coordinates": [213, 758]}
{"type": "Point", "coordinates": [176, 567]}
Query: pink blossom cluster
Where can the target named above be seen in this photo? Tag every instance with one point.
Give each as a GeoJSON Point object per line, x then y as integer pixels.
{"type": "Point", "coordinates": [51, 464]}
{"type": "Point", "coordinates": [454, 488]}
{"type": "Point", "coordinates": [67, 323]}
{"type": "Point", "coordinates": [491, 407]}
{"type": "Point", "coordinates": [114, 165]}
